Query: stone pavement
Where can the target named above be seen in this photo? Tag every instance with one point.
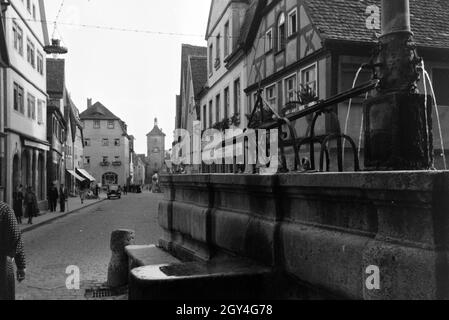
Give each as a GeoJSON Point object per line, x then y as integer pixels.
{"type": "Point", "coordinates": [73, 205]}
{"type": "Point", "coordinates": [81, 239]}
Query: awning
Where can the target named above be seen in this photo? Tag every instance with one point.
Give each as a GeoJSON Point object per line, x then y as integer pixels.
{"type": "Point", "coordinates": [86, 174]}
{"type": "Point", "coordinates": [77, 177]}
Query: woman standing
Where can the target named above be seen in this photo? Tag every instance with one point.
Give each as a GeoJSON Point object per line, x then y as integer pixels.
{"type": "Point", "coordinates": [18, 203]}
{"type": "Point", "coordinates": [11, 248]}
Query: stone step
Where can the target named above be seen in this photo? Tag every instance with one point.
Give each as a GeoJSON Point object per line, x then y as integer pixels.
{"type": "Point", "coordinates": [216, 280]}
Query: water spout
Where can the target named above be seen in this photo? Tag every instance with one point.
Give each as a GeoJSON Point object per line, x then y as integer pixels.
{"type": "Point", "coordinates": [427, 78]}
{"type": "Point", "coordinates": [349, 109]}
{"type": "Point", "coordinates": [359, 150]}
{"type": "Point", "coordinates": [423, 67]}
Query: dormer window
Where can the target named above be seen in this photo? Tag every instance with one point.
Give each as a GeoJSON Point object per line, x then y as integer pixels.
{"type": "Point", "coordinates": [281, 32]}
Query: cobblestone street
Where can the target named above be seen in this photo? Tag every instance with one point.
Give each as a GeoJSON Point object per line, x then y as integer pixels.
{"type": "Point", "coordinates": [82, 239]}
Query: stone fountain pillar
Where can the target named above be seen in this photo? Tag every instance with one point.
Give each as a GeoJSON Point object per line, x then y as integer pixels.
{"type": "Point", "coordinates": [398, 125]}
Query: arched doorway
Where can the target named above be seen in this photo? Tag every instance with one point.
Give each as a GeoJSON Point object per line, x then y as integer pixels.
{"type": "Point", "coordinates": [16, 176]}
{"type": "Point", "coordinates": [110, 178]}
{"type": "Point", "coordinates": [26, 170]}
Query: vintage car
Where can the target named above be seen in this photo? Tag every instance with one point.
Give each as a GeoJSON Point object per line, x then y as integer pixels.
{"type": "Point", "coordinates": [114, 192]}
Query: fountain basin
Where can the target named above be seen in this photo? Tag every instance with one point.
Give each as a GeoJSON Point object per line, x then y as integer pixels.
{"type": "Point", "coordinates": [321, 231]}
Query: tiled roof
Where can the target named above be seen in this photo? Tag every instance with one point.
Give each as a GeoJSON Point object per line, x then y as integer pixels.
{"type": "Point", "coordinates": [189, 50]}
{"type": "Point", "coordinates": [249, 19]}
{"type": "Point", "coordinates": [198, 70]}
{"type": "Point", "coordinates": [98, 112]}
{"type": "Point", "coordinates": [346, 20]}
{"type": "Point", "coordinates": [56, 77]}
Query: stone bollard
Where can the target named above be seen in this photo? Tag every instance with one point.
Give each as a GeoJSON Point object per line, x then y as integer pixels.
{"type": "Point", "coordinates": [118, 266]}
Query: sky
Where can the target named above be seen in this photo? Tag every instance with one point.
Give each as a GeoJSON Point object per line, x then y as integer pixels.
{"type": "Point", "coordinates": [134, 74]}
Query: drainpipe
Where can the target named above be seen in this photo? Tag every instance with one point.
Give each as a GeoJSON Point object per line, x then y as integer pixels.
{"type": "Point", "coordinates": [398, 125]}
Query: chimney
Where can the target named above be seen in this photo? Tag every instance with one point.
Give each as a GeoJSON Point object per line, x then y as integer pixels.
{"type": "Point", "coordinates": [155, 122]}
{"type": "Point", "coordinates": [89, 103]}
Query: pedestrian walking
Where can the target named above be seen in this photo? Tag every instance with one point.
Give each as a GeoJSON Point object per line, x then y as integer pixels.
{"type": "Point", "coordinates": [31, 207]}
{"type": "Point", "coordinates": [63, 196]}
{"type": "Point", "coordinates": [53, 196]}
{"type": "Point", "coordinates": [18, 203]}
{"type": "Point", "coordinates": [82, 194]}
{"type": "Point", "coordinates": [11, 248]}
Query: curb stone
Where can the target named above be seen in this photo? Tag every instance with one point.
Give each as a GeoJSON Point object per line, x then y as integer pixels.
{"type": "Point", "coordinates": [40, 224]}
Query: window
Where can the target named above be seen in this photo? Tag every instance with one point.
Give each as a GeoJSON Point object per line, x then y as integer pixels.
{"type": "Point", "coordinates": [211, 57]}
{"type": "Point", "coordinates": [87, 160]}
{"type": "Point", "coordinates": [40, 63]}
{"type": "Point", "coordinates": [31, 112]}
{"type": "Point", "coordinates": [281, 32]}
{"type": "Point", "coordinates": [226, 39]}
{"type": "Point", "coordinates": [97, 124]}
{"type": "Point", "coordinates": [218, 53]}
{"type": "Point", "coordinates": [269, 40]}
{"type": "Point", "coordinates": [111, 124]}
{"type": "Point", "coordinates": [237, 96]}
{"type": "Point", "coordinates": [105, 142]}
{"type": "Point", "coordinates": [105, 159]}
{"type": "Point", "coordinates": [217, 108]}
{"type": "Point", "coordinates": [290, 89]}
{"type": "Point", "coordinates": [117, 142]}
{"type": "Point", "coordinates": [87, 143]}
{"type": "Point", "coordinates": [31, 53]}
{"type": "Point", "coordinates": [292, 23]}
{"type": "Point", "coordinates": [29, 6]}
{"type": "Point", "coordinates": [40, 111]}
{"type": "Point", "coordinates": [204, 117]}
{"type": "Point", "coordinates": [270, 93]}
{"type": "Point", "coordinates": [210, 113]}
{"type": "Point", "coordinates": [18, 38]}
{"type": "Point", "coordinates": [440, 79]}
{"type": "Point", "coordinates": [309, 79]}
{"type": "Point", "coordinates": [19, 99]}
{"type": "Point", "coordinates": [226, 103]}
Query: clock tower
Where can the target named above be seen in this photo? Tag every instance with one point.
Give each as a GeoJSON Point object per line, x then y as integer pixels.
{"type": "Point", "coordinates": [155, 150]}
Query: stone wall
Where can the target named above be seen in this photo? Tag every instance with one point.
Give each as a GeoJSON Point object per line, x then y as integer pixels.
{"type": "Point", "coordinates": [322, 230]}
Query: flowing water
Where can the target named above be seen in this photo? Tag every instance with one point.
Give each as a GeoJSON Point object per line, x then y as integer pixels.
{"type": "Point", "coordinates": [437, 110]}
{"type": "Point", "coordinates": [348, 117]}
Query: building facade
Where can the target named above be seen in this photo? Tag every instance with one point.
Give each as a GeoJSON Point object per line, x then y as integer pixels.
{"type": "Point", "coordinates": [222, 101]}
{"type": "Point", "coordinates": [74, 153]}
{"type": "Point", "coordinates": [139, 170]}
{"type": "Point", "coordinates": [26, 98]}
{"type": "Point", "coordinates": [106, 145]}
{"type": "Point", "coordinates": [309, 50]}
{"type": "Point", "coordinates": [56, 123]}
{"type": "Point", "coordinates": [4, 61]}
{"type": "Point", "coordinates": [155, 150]}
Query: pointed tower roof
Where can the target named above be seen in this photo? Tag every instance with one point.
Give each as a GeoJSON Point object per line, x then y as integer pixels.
{"type": "Point", "coordinates": [156, 130]}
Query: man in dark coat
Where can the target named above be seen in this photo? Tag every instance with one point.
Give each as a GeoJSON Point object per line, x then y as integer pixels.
{"type": "Point", "coordinates": [53, 196]}
{"type": "Point", "coordinates": [11, 248]}
{"type": "Point", "coordinates": [62, 197]}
